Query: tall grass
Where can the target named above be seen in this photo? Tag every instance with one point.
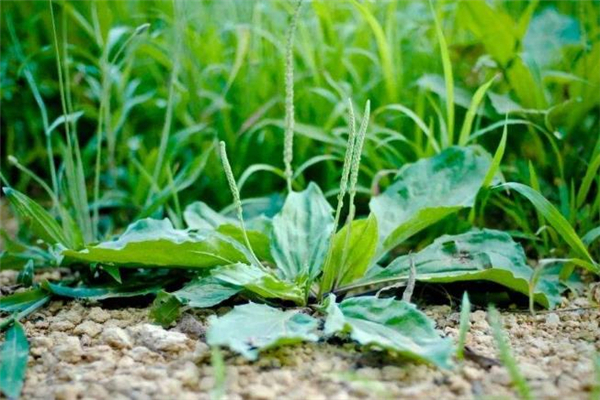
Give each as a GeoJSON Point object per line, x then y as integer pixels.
{"type": "Point", "coordinates": [153, 106]}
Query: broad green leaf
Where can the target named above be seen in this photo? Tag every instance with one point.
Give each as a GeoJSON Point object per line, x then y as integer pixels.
{"type": "Point", "coordinates": [137, 285]}
{"type": "Point", "coordinates": [39, 220]}
{"type": "Point", "coordinates": [166, 309]}
{"type": "Point", "coordinates": [547, 34]}
{"type": "Point", "coordinates": [257, 210]}
{"type": "Point", "coordinates": [204, 292]}
{"type": "Point", "coordinates": [346, 266]}
{"type": "Point", "coordinates": [301, 233]}
{"type": "Point", "coordinates": [22, 300]}
{"type": "Point", "coordinates": [259, 281]}
{"type": "Point", "coordinates": [427, 191]}
{"type": "Point", "coordinates": [486, 254]}
{"type": "Point", "coordinates": [155, 243]}
{"type": "Point", "coordinates": [389, 324]}
{"type": "Point", "coordinates": [14, 355]}
{"type": "Point", "coordinates": [251, 328]}
{"type": "Point", "coordinates": [198, 215]}
{"type": "Point", "coordinates": [555, 218]}
{"type": "Point", "coordinates": [259, 241]}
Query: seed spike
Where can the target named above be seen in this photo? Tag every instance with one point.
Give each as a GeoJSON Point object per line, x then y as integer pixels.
{"type": "Point", "coordinates": [236, 198]}
{"type": "Point", "coordinates": [359, 141]}
{"type": "Point", "coordinates": [288, 148]}
{"type": "Point", "coordinates": [329, 273]}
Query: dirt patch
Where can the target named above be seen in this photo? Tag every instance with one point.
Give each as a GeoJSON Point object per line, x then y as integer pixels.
{"type": "Point", "coordinates": [82, 350]}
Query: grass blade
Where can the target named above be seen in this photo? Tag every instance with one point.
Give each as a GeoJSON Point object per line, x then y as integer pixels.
{"type": "Point", "coordinates": [498, 155]}
{"type": "Point", "coordinates": [73, 163]}
{"type": "Point", "coordinates": [164, 137]}
{"type": "Point", "coordinates": [554, 218]}
{"type": "Point", "coordinates": [14, 352]}
{"type": "Point", "coordinates": [385, 52]}
{"type": "Point", "coordinates": [219, 373]}
{"type": "Point", "coordinates": [590, 174]}
{"type": "Point", "coordinates": [506, 355]}
{"type": "Point", "coordinates": [40, 221]}
{"type": "Point", "coordinates": [465, 325]}
{"type": "Point", "coordinates": [448, 78]}
{"type": "Point", "coordinates": [465, 131]}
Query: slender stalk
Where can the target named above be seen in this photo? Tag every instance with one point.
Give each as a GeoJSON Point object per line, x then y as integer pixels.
{"type": "Point", "coordinates": [356, 156]}
{"type": "Point", "coordinates": [236, 200]}
{"type": "Point", "coordinates": [75, 177]}
{"type": "Point", "coordinates": [329, 270]}
{"type": "Point", "coordinates": [288, 148]}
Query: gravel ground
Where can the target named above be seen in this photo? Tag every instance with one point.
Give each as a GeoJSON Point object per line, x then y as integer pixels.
{"type": "Point", "coordinates": [87, 350]}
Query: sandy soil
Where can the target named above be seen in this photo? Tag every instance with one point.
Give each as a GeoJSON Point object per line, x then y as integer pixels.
{"type": "Point", "coordinates": [87, 350]}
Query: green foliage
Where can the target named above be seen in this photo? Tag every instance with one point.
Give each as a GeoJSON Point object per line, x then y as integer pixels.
{"type": "Point", "coordinates": [155, 243]}
{"type": "Point", "coordinates": [200, 216]}
{"type": "Point", "coordinates": [151, 145]}
{"type": "Point", "coordinates": [261, 282]}
{"type": "Point", "coordinates": [41, 223]}
{"type": "Point", "coordinates": [427, 191]}
{"type": "Point", "coordinates": [301, 232]}
{"type": "Point", "coordinates": [133, 288]}
{"type": "Point", "coordinates": [476, 255]}
{"type": "Point", "coordinates": [557, 221]}
{"type": "Point", "coordinates": [22, 300]}
{"type": "Point", "coordinates": [14, 354]}
{"type": "Point", "coordinates": [166, 309]}
{"type": "Point", "coordinates": [204, 292]}
{"type": "Point", "coordinates": [389, 324]}
{"type": "Point", "coordinates": [464, 326]}
{"type": "Point", "coordinates": [353, 249]}
{"type": "Point", "coordinates": [251, 328]}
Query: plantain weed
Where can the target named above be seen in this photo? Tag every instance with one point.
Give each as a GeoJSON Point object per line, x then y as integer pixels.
{"type": "Point", "coordinates": [300, 252]}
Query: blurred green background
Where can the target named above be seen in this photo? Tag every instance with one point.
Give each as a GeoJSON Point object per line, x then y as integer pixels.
{"type": "Point", "coordinates": [215, 71]}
